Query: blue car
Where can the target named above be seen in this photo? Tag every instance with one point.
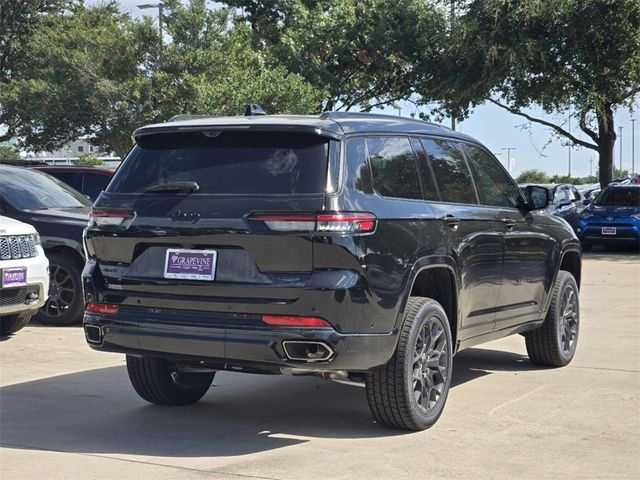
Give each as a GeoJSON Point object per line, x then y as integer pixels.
{"type": "Point", "coordinates": [613, 218]}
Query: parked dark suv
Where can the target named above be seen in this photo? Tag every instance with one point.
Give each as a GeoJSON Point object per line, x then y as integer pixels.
{"type": "Point", "coordinates": [362, 248]}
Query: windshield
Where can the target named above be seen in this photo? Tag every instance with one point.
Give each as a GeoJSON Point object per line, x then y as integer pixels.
{"type": "Point", "coordinates": [273, 163]}
{"type": "Point", "coordinates": [31, 190]}
{"type": "Point", "coordinates": [619, 197]}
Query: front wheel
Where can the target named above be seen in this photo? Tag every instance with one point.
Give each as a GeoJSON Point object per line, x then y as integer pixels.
{"type": "Point", "coordinates": [160, 381]}
{"type": "Point", "coordinates": [410, 391]}
{"type": "Point", "coordinates": [554, 343]}
{"type": "Point", "coordinates": [65, 304]}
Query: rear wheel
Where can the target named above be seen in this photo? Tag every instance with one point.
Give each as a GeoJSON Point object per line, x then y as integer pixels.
{"type": "Point", "coordinates": [158, 380]}
{"type": "Point", "coordinates": [410, 391]}
{"type": "Point", "coordinates": [65, 305]}
{"type": "Point", "coordinates": [554, 343]}
{"type": "Point", "coordinates": [12, 323]}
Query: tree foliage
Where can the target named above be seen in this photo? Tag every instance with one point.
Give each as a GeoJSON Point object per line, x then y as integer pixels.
{"type": "Point", "coordinates": [362, 52]}
{"type": "Point", "coordinates": [579, 57]}
{"type": "Point", "coordinates": [97, 73]}
{"type": "Point", "coordinates": [7, 152]}
{"type": "Point", "coordinates": [87, 159]}
{"type": "Point", "coordinates": [532, 176]}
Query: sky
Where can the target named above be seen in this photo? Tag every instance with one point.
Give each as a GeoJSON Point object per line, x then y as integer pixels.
{"type": "Point", "coordinates": [533, 147]}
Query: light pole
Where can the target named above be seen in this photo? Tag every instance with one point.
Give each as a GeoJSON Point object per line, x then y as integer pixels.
{"type": "Point", "coordinates": [508, 149]}
{"type": "Point", "coordinates": [633, 146]}
{"type": "Point", "coordinates": [569, 175]}
{"type": "Point", "coordinates": [160, 7]}
{"type": "Point", "coordinates": [620, 135]}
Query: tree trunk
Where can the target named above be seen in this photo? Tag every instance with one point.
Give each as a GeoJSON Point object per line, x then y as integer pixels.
{"type": "Point", "coordinates": [606, 142]}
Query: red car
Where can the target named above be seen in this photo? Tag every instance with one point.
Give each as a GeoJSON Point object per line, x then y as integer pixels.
{"type": "Point", "coordinates": [89, 181]}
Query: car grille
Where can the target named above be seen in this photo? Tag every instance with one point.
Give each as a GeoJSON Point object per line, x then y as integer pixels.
{"type": "Point", "coordinates": [21, 246]}
{"type": "Point", "coordinates": [16, 296]}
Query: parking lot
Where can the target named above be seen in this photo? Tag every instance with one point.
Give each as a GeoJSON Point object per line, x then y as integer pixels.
{"type": "Point", "coordinates": [69, 412]}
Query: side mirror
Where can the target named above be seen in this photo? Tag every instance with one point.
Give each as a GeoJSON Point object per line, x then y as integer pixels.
{"type": "Point", "coordinates": [537, 197]}
{"type": "Point", "coordinates": [586, 201]}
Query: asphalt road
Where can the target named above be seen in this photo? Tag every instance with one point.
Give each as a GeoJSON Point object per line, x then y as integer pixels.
{"type": "Point", "coordinates": [68, 412]}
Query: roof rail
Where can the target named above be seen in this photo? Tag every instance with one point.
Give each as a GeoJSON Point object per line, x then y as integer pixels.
{"type": "Point", "coordinates": [345, 115]}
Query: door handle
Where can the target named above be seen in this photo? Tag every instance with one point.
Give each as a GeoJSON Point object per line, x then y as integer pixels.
{"type": "Point", "coordinates": [509, 222]}
{"type": "Point", "coordinates": [451, 221]}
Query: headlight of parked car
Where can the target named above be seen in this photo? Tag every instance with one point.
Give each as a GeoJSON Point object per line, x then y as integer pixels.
{"type": "Point", "coordinates": [36, 238]}
{"type": "Point", "coordinates": [586, 214]}
{"type": "Point", "coordinates": [636, 216]}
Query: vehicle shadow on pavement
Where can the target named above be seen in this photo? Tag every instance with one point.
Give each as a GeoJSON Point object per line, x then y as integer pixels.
{"type": "Point", "coordinates": [97, 411]}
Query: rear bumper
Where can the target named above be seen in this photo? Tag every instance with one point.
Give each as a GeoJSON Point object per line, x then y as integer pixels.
{"type": "Point", "coordinates": [246, 348]}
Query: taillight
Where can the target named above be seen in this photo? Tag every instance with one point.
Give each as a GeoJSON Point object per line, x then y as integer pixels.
{"type": "Point", "coordinates": [115, 218]}
{"type": "Point", "coordinates": [325, 222]}
{"type": "Point", "coordinates": [291, 321]}
{"type": "Point", "coordinates": [102, 308]}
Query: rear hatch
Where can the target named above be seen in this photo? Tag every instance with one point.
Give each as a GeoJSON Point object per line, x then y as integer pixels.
{"type": "Point", "coordinates": [180, 225]}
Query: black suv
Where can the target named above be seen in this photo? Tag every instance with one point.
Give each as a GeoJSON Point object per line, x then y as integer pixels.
{"type": "Point", "coordinates": [362, 248]}
{"type": "Point", "coordinates": [59, 214]}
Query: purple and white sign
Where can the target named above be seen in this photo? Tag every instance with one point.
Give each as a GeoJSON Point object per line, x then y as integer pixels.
{"type": "Point", "coordinates": [190, 264]}
{"type": "Point", "coordinates": [14, 277]}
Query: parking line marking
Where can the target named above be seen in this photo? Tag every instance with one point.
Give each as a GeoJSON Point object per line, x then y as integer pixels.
{"type": "Point", "coordinates": [514, 400]}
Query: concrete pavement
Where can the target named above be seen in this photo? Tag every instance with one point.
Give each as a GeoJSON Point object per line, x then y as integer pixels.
{"type": "Point", "coordinates": [68, 412]}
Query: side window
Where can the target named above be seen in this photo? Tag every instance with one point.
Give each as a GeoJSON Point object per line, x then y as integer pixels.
{"type": "Point", "coordinates": [94, 184]}
{"type": "Point", "coordinates": [393, 165]}
{"type": "Point", "coordinates": [72, 179]}
{"type": "Point", "coordinates": [495, 188]}
{"type": "Point", "coordinates": [575, 195]}
{"type": "Point", "coordinates": [562, 195]}
{"type": "Point", "coordinates": [451, 171]}
{"type": "Point", "coordinates": [424, 169]}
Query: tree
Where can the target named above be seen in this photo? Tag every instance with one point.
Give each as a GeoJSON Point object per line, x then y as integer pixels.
{"type": "Point", "coordinates": [7, 152]}
{"type": "Point", "coordinates": [18, 20]}
{"type": "Point", "coordinates": [96, 73]}
{"type": "Point", "coordinates": [87, 159]}
{"type": "Point", "coordinates": [532, 176]}
{"type": "Point", "coordinates": [575, 57]}
{"type": "Point", "coordinates": [362, 52]}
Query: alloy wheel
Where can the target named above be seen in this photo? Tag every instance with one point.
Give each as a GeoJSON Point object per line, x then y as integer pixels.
{"type": "Point", "coordinates": [568, 324]}
{"type": "Point", "coordinates": [430, 364]}
{"type": "Point", "coordinates": [61, 292]}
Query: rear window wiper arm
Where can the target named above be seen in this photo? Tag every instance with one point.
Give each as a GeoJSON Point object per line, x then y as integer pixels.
{"type": "Point", "coordinates": [186, 187]}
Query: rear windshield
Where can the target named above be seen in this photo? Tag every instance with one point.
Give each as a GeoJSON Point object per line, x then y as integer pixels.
{"type": "Point", "coordinates": [620, 197]}
{"type": "Point", "coordinates": [227, 163]}
{"type": "Point", "coordinates": [32, 190]}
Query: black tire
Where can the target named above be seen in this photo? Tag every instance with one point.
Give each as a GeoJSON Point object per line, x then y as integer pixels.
{"type": "Point", "coordinates": [158, 381]}
{"type": "Point", "coordinates": [12, 323]}
{"type": "Point", "coordinates": [554, 343]}
{"type": "Point", "coordinates": [65, 305]}
{"type": "Point", "coordinates": [396, 391]}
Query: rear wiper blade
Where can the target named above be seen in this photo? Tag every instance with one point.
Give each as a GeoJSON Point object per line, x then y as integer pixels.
{"type": "Point", "coordinates": [187, 187]}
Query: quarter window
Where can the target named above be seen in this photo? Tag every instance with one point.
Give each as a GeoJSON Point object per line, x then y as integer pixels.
{"type": "Point", "coordinates": [495, 188]}
{"type": "Point", "coordinates": [393, 165]}
{"type": "Point", "coordinates": [451, 171]}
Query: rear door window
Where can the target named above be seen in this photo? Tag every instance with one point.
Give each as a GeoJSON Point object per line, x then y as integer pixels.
{"type": "Point", "coordinates": [271, 163]}
{"type": "Point", "coordinates": [394, 169]}
{"type": "Point", "coordinates": [94, 184]}
{"type": "Point", "coordinates": [451, 171]}
{"type": "Point", "coordinates": [495, 187]}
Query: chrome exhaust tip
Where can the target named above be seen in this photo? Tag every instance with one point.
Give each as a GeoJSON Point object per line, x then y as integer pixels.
{"type": "Point", "coordinates": [93, 334]}
{"type": "Point", "coordinates": [308, 350]}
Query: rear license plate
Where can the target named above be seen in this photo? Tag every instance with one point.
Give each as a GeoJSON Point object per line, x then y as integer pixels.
{"type": "Point", "coordinates": [14, 277]}
{"type": "Point", "coordinates": [190, 264]}
{"type": "Point", "coordinates": [608, 230]}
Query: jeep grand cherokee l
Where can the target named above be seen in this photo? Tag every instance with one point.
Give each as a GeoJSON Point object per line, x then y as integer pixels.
{"type": "Point", "coordinates": [359, 247]}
